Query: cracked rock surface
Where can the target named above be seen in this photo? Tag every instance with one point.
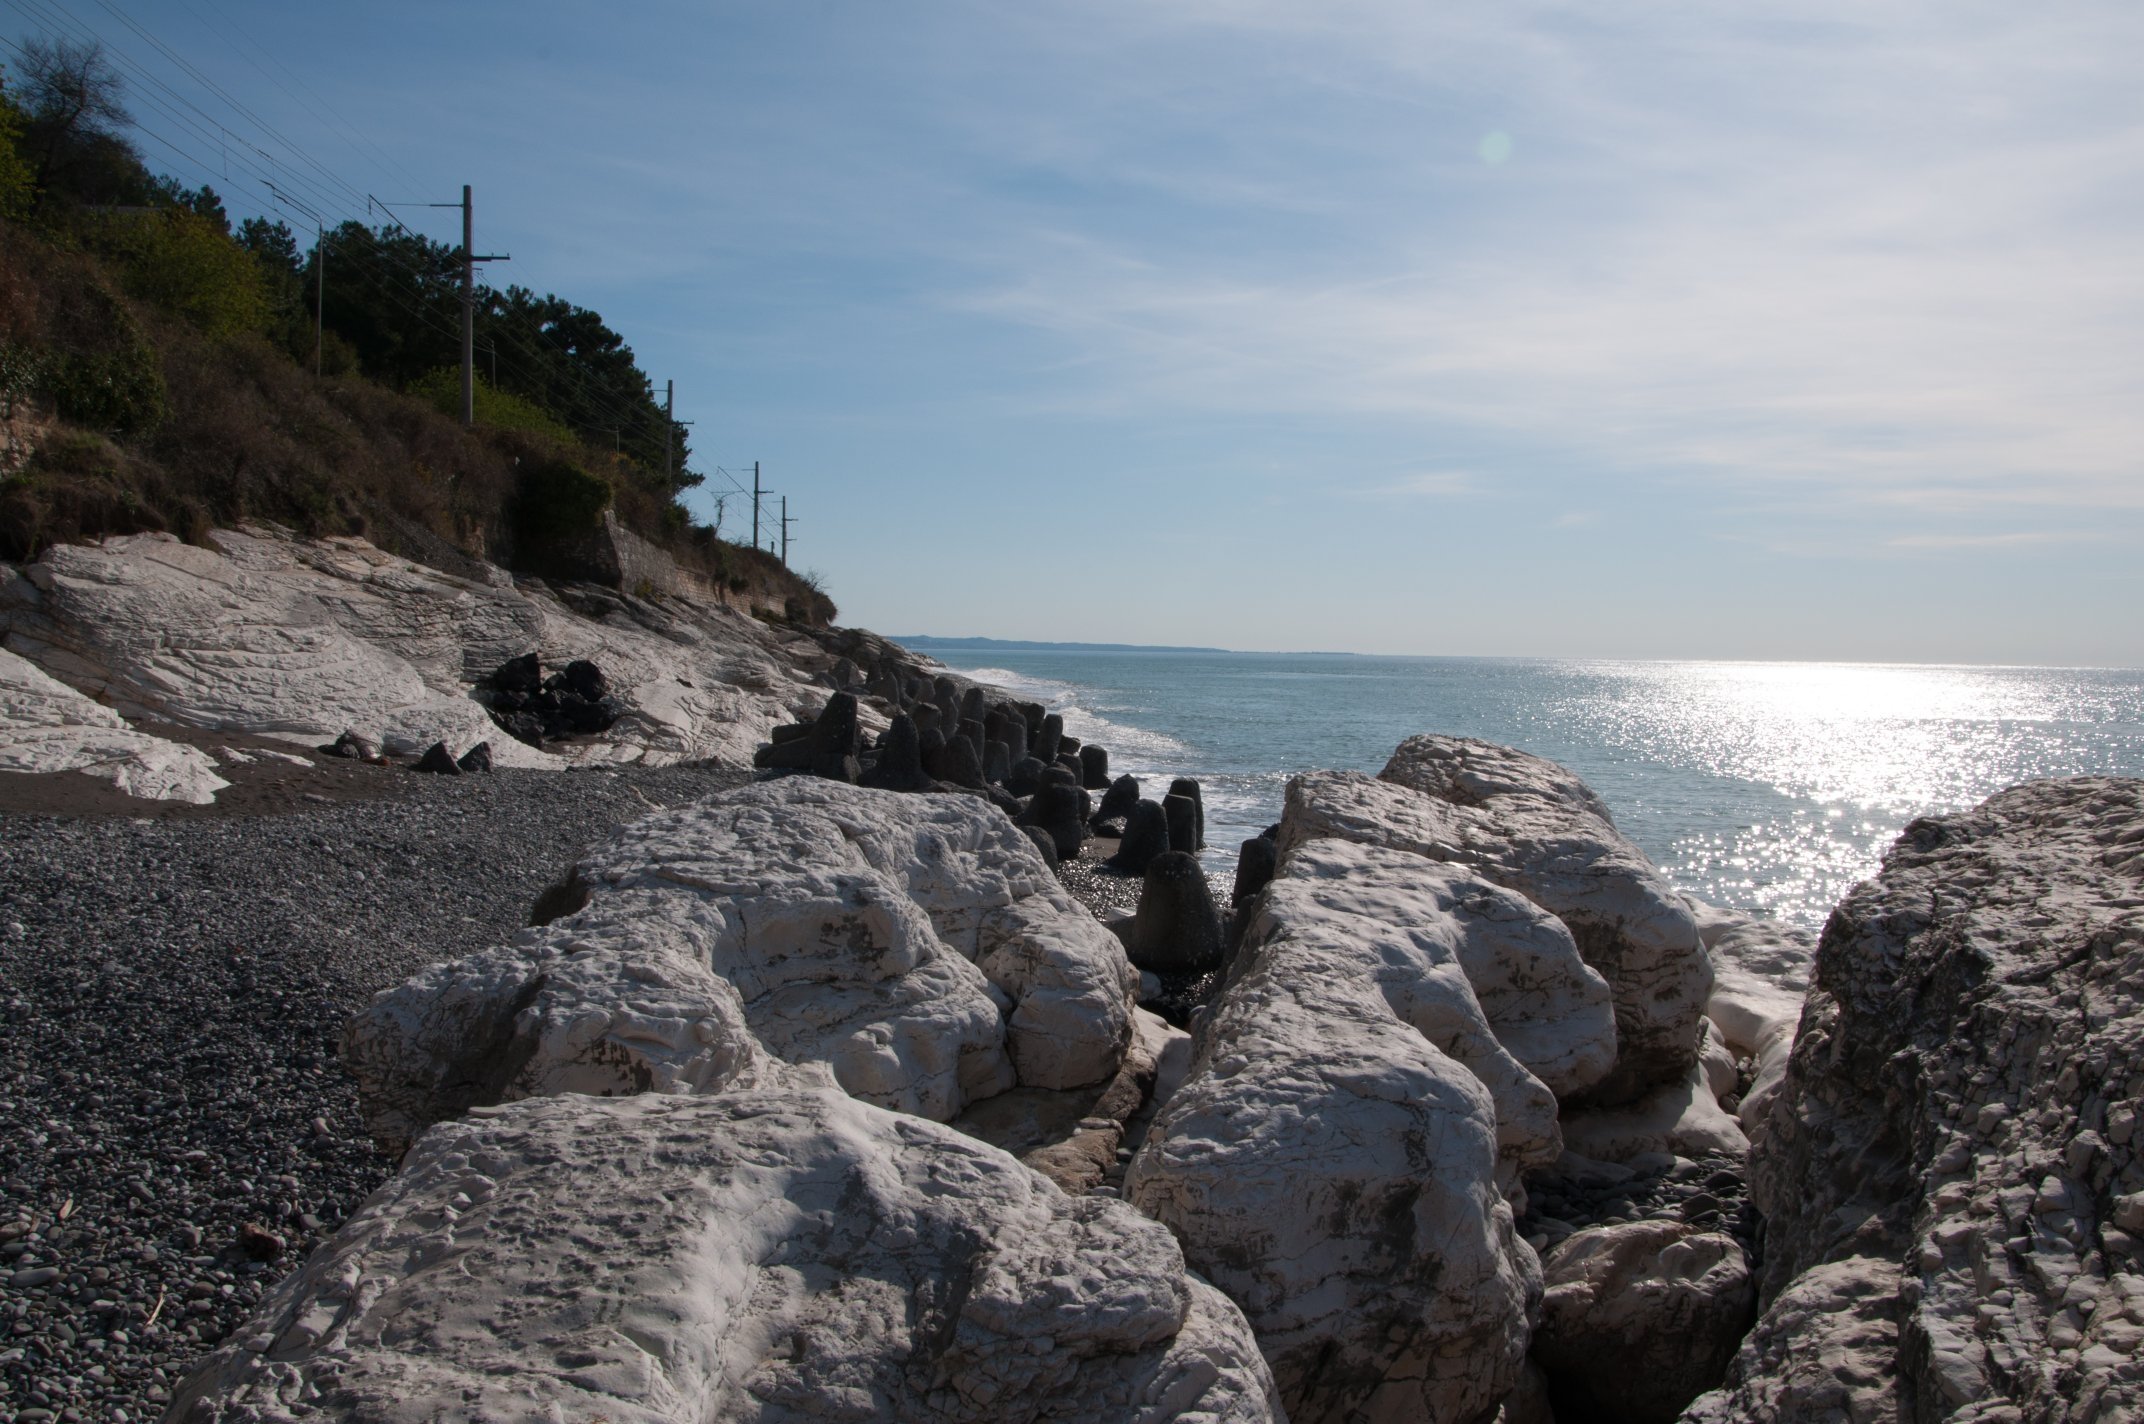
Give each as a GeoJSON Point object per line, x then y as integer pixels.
{"type": "Point", "coordinates": [770, 1254]}
{"type": "Point", "coordinates": [916, 945]}
{"type": "Point", "coordinates": [1949, 1171]}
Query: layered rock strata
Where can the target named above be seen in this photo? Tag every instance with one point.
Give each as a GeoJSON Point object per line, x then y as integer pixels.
{"type": "Point", "coordinates": [1336, 1158]}
{"type": "Point", "coordinates": [46, 725]}
{"type": "Point", "coordinates": [786, 1253]}
{"type": "Point", "coordinates": [258, 631]}
{"type": "Point", "coordinates": [916, 945]}
{"type": "Point", "coordinates": [1950, 1177]}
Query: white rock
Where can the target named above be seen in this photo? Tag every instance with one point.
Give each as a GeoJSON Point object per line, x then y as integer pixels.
{"type": "Point", "coordinates": [1551, 1010]}
{"type": "Point", "coordinates": [1640, 1318]}
{"type": "Point", "coordinates": [304, 639]}
{"type": "Point", "coordinates": [47, 726]}
{"type": "Point", "coordinates": [748, 1256]}
{"type": "Point", "coordinates": [1756, 1018]}
{"type": "Point", "coordinates": [1679, 1119]}
{"type": "Point", "coordinates": [1549, 840]}
{"type": "Point", "coordinates": [1334, 1170]}
{"type": "Point", "coordinates": [1717, 1061]}
{"type": "Point", "coordinates": [824, 923]}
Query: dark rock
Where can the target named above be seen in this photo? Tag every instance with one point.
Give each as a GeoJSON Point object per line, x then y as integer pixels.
{"type": "Point", "coordinates": [1182, 814]}
{"type": "Point", "coordinates": [789, 732]}
{"type": "Point", "coordinates": [586, 681]}
{"type": "Point", "coordinates": [1146, 835]}
{"type": "Point", "coordinates": [1255, 864]}
{"type": "Point", "coordinates": [830, 749]}
{"type": "Point", "coordinates": [972, 705]}
{"type": "Point", "coordinates": [1068, 746]}
{"type": "Point", "coordinates": [522, 727]}
{"type": "Point", "coordinates": [1177, 931]}
{"type": "Point", "coordinates": [523, 674]}
{"type": "Point", "coordinates": [259, 1243]}
{"type": "Point", "coordinates": [439, 761]}
{"type": "Point", "coordinates": [927, 718]}
{"type": "Point", "coordinates": [1118, 800]}
{"type": "Point", "coordinates": [1053, 732]}
{"type": "Point", "coordinates": [1186, 786]}
{"type": "Point", "coordinates": [1025, 776]}
{"type": "Point", "coordinates": [971, 732]}
{"type": "Point", "coordinates": [959, 764]}
{"type": "Point", "coordinates": [1055, 809]}
{"type": "Point", "coordinates": [900, 759]}
{"type": "Point", "coordinates": [997, 761]}
{"type": "Point", "coordinates": [1107, 827]}
{"type": "Point", "coordinates": [1094, 767]}
{"type": "Point", "coordinates": [477, 758]}
{"type": "Point", "coordinates": [1044, 842]}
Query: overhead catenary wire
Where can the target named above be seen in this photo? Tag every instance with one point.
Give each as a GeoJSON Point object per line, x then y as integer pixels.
{"type": "Point", "coordinates": [292, 181]}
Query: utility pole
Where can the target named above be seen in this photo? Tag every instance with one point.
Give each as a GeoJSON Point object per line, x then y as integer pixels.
{"type": "Point", "coordinates": [469, 261]}
{"type": "Point", "coordinates": [669, 434]}
{"type": "Point", "coordinates": [785, 531]}
{"type": "Point", "coordinates": [755, 504]}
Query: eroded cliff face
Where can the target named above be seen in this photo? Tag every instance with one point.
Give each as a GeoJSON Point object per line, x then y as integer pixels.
{"type": "Point", "coordinates": [1954, 1200]}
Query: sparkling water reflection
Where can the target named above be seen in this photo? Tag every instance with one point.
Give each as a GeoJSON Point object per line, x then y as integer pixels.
{"type": "Point", "coordinates": [1767, 787]}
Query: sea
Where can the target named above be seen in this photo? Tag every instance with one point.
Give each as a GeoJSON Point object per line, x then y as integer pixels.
{"type": "Point", "coordinates": [1768, 788]}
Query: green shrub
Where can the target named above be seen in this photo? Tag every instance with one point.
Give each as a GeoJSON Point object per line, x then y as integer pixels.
{"type": "Point", "coordinates": [494, 408]}
{"type": "Point", "coordinates": [556, 501]}
{"type": "Point", "coordinates": [185, 264]}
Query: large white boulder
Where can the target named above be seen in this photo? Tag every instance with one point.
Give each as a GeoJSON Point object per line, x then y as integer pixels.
{"type": "Point", "coordinates": [259, 631]}
{"type": "Point", "coordinates": [917, 945]}
{"type": "Point", "coordinates": [1530, 826]}
{"type": "Point", "coordinates": [1332, 1164]}
{"type": "Point", "coordinates": [764, 1255]}
{"type": "Point", "coordinates": [46, 726]}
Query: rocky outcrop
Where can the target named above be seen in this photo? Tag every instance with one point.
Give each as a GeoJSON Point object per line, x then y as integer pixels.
{"type": "Point", "coordinates": [775, 1254]}
{"type": "Point", "coordinates": [258, 631]}
{"type": "Point", "coordinates": [916, 945]}
{"type": "Point", "coordinates": [1954, 1200]}
{"type": "Point", "coordinates": [1639, 1319]}
{"type": "Point", "coordinates": [1335, 1160]}
{"type": "Point", "coordinates": [47, 726]}
{"type": "Point", "coordinates": [1530, 826]}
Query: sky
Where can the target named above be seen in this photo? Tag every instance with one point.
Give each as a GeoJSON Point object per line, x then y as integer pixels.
{"type": "Point", "coordinates": [1673, 328]}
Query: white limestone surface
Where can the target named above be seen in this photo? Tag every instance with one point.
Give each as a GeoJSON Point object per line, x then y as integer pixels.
{"type": "Point", "coordinates": [1334, 1169]}
{"type": "Point", "coordinates": [774, 1254]}
{"type": "Point", "coordinates": [263, 632]}
{"type": "Point", "coordinates": [916, 945]}
{"type": "Point", "coordinates": [47, 726]}
{"type": "Point", "coordinates": [1547, 839]}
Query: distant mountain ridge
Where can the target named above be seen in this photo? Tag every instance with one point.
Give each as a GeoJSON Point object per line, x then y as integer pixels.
{"type": "Point", "coordinates": [924, 643]}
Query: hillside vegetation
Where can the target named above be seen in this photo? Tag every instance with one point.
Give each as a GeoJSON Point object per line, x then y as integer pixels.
{"type": "Point", "coordinates": [158, 372]}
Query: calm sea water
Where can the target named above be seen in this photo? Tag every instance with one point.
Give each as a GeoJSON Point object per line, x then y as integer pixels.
{"type": "Point", "coordinates": [1764, 787]}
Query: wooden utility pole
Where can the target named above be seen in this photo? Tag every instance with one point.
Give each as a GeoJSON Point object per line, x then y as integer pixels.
{"type": "Point", "coordinates": [785, 531]}
{"type": "Point", "coordinates": [669, 434]}
{"type": "Point", "coordinates": [469, 261]}
{"type": "Point", "coordinates": [755, 504]}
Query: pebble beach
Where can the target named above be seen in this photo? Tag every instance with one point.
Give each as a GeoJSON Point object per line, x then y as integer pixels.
{"type": "Point", "coordinates": [177, 1131]}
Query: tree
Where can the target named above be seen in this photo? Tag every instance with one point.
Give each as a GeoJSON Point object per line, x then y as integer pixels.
{"type": "Point", "coordinates": [17, 182]}
{"type": "Point", "coordinates": [71, 96]}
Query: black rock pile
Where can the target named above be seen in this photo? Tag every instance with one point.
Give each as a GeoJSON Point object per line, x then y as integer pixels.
{"type": "Point", "coordinates": [948, 737]}
{"type": "Point", "coordinates": [530, 707]}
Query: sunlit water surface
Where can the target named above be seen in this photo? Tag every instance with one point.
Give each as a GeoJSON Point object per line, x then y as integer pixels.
{"type": "Point", "coordinates": [1765, 787]}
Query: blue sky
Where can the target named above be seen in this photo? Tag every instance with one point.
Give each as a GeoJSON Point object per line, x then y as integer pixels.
{"type": "Point", "coordinates": [1662, 329]}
